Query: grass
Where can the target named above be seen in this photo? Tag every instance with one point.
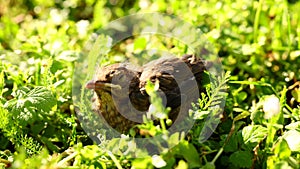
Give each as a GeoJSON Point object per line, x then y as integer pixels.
{"type": "Point", "coordinates": [258, 43]}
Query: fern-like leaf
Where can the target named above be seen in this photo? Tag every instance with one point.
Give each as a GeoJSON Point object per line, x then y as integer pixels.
{"type": "Point", "coordinates": [28, 103]}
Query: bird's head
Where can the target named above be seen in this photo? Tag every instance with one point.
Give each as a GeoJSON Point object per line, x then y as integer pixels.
{"type": "Point", "coordinates": [113, 78]}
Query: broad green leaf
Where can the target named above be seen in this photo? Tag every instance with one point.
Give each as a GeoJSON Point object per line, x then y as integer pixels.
{"type": "Point", "coordinates": [174, 139]}
{"type": "Point", "coordinates": [188, 152]}
{"type": "Point", "coordinates": [292, 138]}
{"type": "Point", "coordinates": [232, 144]}
{"type": "Point", "coordinates": [282, 149]}
{"type": "Point", "coordinates": [282, 165]}
{"type": "Point", "coordinates": [39, 98]}
{"type": "Point", "coordinates": [209, 166]}
{"type": "Point", "coordinates": [171, 161]}
{"type": "Point", "coordinates": [241, 159]}
{"type": "Point", "coordinates": [275, 163]}
{"type": "Point", "coordinates": [241, 96]}
{"type": "Point", "coordinates": [182, 165]}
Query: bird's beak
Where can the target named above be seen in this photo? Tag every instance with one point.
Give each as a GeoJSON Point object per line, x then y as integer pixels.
{"type": "Point", "coordinates": [90, 85]}
{"type": "Point", "coordinates": [101, 85]}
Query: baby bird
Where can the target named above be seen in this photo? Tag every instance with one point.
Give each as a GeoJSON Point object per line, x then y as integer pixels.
{"type": "Point", "coordinates": [120, 96]}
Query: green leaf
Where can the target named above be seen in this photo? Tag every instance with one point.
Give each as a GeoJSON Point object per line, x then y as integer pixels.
{"type": "Point", "coordinates": [3, 116]}
{"type": "Point", "coordinates": [293, 139]}
{"type": "Point", "coordinates": [142, 163]}
{"type": "Point", "coordinates": [293, 126]}
{"type": "Point", "coordinates": [49, 144]}
{"type": "Point", "coordinates": [201, 114]}
{"type": "Point", "coordinates": [232, 144]}
{"type": "Point", "coordinates": [68, 56]}
{"type": "Point", "coordinates": [29, 104]}
{"type": "Point", "coordinates": [188, 152]}
{"type": "Point", "coordinates": [248, 49]}
{"type": "Point", "coordinates": [1, 82]}
{"type": "Point", "coordinates": [171, 161]}
{"type": "Point", "coordinates": [39, 98]}
{"type": "Point", "coordinates": [241, 96]}
{"type": "Point", "coordinates": [158, 161]}
{"type": "Point", "coordinates": [140, 43]}
{"type": "Point", "coordinates": [296, 94]}
{"type": "Point", "coordinates": [242, 115]}
{"type": "Point", "coordinates": [282, 149]}
{"type": "Point", "coordinates": [254, 133]}
{"type": "Point", "coordinates": [282, 165]}
{"type": "Point", "coordinates": [241, 159]}
{"type": "Point", "coordinates": [209, 166]}
{"type": "Point", "coordinates": [95, 55]}
{"type": "Point", "coordinates": [182, 165]}
{"type": "Point", "coordinates": [174, 139]}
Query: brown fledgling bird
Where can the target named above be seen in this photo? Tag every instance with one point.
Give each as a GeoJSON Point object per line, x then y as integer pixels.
{"type": "Point", "coordinates": [120, 96]}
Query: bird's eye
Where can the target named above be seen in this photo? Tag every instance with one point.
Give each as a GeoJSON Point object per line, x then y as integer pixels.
{"type": "Point", "coordinates": [110, 74]}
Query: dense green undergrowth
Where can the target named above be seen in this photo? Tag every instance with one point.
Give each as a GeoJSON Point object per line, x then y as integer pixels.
{"type": "Point", "coordinates": [258, 43]}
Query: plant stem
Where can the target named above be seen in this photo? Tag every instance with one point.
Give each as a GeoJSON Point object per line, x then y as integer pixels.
{"type": "Point", "coordinates": [70, 157]}
{"type": "Point", "coordinates": [256, 21]}
{"type": "Point", "coordinates": [114, 159]}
